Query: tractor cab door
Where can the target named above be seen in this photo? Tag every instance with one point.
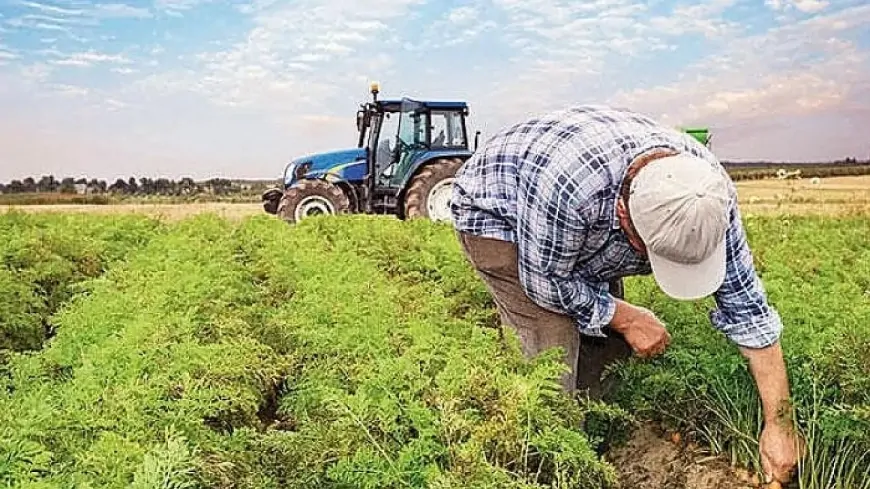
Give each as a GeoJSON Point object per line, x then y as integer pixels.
{"type": "Point", "coordinates": [411, 138]}
{"type": "Point", "coordinates": [383, 146]}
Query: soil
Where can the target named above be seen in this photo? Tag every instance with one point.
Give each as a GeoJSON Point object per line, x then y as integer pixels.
{"type": "Point", "coordinates": [650, 460]}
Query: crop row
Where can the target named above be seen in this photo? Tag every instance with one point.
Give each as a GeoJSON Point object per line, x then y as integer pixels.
{"type": "Point", "coordinates": [259, 356]}
{"type": "Point", "coordinates": [364, 352]}
{"type": "Point", "coordinates": [43, 257]}
{"type": "Point", "coordinates": [817, 273]}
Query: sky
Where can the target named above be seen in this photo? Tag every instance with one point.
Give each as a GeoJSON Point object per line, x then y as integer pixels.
{"type": "Point", "coordinates": [205, 88]}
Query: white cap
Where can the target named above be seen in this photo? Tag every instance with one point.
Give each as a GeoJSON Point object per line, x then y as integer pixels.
{"type": "Point", "coordinates": [679, 207]}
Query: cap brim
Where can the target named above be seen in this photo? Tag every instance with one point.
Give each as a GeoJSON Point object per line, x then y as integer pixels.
{"type": "Point", "coordinates": [689, 282]}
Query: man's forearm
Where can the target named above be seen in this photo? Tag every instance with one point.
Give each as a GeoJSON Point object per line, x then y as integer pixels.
{"type": "Point", "coordinates": [768, 368]}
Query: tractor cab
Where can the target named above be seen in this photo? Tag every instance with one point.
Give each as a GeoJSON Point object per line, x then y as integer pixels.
{"type": "Point", "coordinates": [403, 135]}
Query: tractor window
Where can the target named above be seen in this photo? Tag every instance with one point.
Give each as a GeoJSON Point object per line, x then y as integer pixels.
{"type": "Point", "coordinates": [412, 128]}
{"type": "Point", "coordinates": [389, 128]}
{"type": "Point", "coordinates": [447, 130]}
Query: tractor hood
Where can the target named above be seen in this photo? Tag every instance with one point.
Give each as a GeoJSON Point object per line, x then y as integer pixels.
{"type": "Point", "coordinates": [318, 163]}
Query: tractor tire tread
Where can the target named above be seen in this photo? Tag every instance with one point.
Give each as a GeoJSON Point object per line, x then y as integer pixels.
{"type": "Point", "coordinates": [415, 197]}
{"type": "Point", "coordinates": [339, 199]}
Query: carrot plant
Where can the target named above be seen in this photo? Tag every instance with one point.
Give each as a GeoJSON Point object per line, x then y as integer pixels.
{"type": "Point", "coordinates": [392, 388]}
{"type": "Point", "coordinates": [817, 273]}
{"type": "Point", "coordinates": [361, 352]}
{"type": "Point", "coordinates": [43, 257]}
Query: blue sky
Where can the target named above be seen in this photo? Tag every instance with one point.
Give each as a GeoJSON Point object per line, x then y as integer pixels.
{"type": "Point", "coordinates": [206, 88]}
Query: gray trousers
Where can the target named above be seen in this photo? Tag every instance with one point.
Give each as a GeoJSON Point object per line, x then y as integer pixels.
{"type": "Point", "coordinates": [537, 328]}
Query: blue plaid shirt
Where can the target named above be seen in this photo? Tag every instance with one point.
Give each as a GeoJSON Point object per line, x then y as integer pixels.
{"type": "Point", "coordinates": [550, 185]}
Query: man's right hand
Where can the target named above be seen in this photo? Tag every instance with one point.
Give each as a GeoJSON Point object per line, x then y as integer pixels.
{"type": "Point", "coordinates": [641, 328]}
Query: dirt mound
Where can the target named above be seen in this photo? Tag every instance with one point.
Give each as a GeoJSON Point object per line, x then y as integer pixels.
{"type": "Point", "coordinates": [649, 460]}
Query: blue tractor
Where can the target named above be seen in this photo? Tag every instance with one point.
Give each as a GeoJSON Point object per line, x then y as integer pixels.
{"type": "Point", "coordinates": [407, 154]}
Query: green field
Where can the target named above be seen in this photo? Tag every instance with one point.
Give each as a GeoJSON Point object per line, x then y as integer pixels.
{"type": "Point", "coordinates": [360, 352]}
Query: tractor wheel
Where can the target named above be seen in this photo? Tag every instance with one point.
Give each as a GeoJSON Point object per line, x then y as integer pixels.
{"type": "Point", "coordinates": [429, 192]}
{"type": "Point", "coordinates": [310, 198]}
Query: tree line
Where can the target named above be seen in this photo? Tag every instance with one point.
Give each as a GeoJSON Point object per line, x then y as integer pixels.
{"type": "Point", "coordinates": [130, 186]}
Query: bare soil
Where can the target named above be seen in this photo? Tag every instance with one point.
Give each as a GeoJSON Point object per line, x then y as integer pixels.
{"type": "Point", "coordinates": [651, 460]}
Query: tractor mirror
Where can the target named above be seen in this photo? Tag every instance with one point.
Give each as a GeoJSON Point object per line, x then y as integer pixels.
{"type": "Point", "coordinates": [359, 120]}
{"type": "Point", "coordinates": [476, 139]}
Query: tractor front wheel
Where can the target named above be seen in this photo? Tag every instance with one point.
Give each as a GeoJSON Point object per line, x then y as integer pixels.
{"type": "Point", "coordinates": [429, 192]}
{"type": "Point", "coordinates": [310, 198]}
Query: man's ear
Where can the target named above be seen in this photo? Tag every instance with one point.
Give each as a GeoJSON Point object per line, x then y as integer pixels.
{"type": "Point", "coordinates": [621, 209]}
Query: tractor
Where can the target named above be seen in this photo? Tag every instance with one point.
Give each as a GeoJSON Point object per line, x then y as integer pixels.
{"type": "Point", "coordinates": [407, 154]}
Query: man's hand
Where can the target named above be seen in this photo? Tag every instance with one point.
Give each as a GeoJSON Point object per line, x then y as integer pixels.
{"type": "Point", "coordinates": [642, 330]}
{"type": "Point", "coordinates": [780, 446]}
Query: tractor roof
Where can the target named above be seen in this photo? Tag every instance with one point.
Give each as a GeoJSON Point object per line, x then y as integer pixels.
{"type": "Point", "coordinates": [431, 104]}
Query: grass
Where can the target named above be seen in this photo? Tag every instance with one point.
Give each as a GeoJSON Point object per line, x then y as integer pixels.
{"type": "Point", "coordinates": [362, 352]}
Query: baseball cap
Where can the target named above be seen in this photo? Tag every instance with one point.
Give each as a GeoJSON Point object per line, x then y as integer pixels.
{"type": "Point", "coordinates": [679, 207]}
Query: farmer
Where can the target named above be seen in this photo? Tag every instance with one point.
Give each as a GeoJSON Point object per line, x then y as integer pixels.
{"type": "Point", "coordinates": [551, 211]}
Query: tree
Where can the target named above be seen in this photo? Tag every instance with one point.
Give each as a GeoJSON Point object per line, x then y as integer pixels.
{"type": "Point", "coordinates": [47, 184]}
{"type": "Point", "coordinates": [68, 186]}
{"type": "Point", "coordinates": [120, 187]}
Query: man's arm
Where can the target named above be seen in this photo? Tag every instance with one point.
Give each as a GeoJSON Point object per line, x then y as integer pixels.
{"type": "Point", "coordinates": [745, 316]}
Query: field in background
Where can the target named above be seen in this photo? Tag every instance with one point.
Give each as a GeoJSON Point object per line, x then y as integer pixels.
{"type": "Point", "coordinates": [831, 196]}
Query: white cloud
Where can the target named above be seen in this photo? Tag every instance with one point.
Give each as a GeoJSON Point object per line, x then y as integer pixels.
{"type": "Point", "coordinates": [68, 90]}
{"type": "Point", "coordinates": [119, 10]}
{"type": "Point", "coordinates": [90, 58]}
{"type": "Point", "coordinates": [462, 15]}
{"type": "Point", "coordinates": [292, 55]}
{"type": "Point", "coordinates": [51, 8]}
{"type": "Point", "coordinates": [805, 6]}
{"type": "Point", "coordinates": [175, 8]}
{"type": "Point", "coordinates": [790, 70]}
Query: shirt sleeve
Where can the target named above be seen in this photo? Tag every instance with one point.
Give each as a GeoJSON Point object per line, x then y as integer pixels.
{"type": "Point", "coordinates": [743, 313]}
{"type": "Point", "coordinates": [550, 232]}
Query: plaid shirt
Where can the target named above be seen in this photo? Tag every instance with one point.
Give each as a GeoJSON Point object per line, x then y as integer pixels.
{"type": "Point", "coordinates": [550, 185]}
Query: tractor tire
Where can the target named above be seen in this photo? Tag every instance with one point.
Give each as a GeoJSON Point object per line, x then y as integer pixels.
{"type": "Point", "coordinates": [312, 197]}
{"type": "Point", "coordinates": [429, 192]}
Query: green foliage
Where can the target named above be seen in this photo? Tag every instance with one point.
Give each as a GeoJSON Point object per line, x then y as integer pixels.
{"type": "Point", "coordinates": [43, 258]}
{"type": "Point", "coordinates": [816, 274]}
{"type": "Point", "coordinates": [360, 352]}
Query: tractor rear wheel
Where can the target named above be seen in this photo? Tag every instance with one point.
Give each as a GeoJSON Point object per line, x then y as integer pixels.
{"type": "Point", "coordinates": [429, 192]}
{"type": "Point", "coordinates": [310, 198]}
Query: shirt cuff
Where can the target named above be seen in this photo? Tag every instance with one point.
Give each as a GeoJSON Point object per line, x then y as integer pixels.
{"type": "Point", "coordinates": [749, 332]}
{"type": "Point", "coordinates": [603, 309]}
